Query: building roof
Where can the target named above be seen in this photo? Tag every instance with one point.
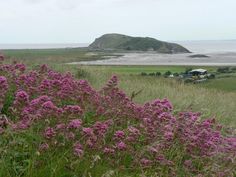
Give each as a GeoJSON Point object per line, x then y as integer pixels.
{"type": "Point", "coordinates": [198, 70]}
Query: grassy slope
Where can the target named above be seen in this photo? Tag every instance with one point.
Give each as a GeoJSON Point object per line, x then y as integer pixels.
{"type": "Point", "coordinates": [222, 83]}
{"type": "Point", "coordinates": [184, 97]}
{"type": "Point", "coordinates": [210, 102]}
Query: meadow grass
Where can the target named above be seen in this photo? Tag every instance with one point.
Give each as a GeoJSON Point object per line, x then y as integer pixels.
{"type": "Point", "coordinates": [208, 98]}
{"type": "Point", "coordinates": [33, 57]}
{"type": "Point", "coordinates": [185, 97]}
{"type": "Point", "coordinates": [213, 102]}
{"type": "Point", "coordinates": [137, 70]}
{"type": "Point", "coordinates": [20, 154]}
{"type": "Point", "coordinates": [226, 84]}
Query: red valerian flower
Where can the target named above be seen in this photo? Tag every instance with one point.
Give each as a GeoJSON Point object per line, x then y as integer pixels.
{"type": "Point", "coordinates": [75, 124]}
{"type": "Point", "coordinates": [78, 149]}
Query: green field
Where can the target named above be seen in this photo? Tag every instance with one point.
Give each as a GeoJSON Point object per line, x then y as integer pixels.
{"type": "Point", "coordinates": [55, 56]}
{"type": "Point", "coordinates": [226, 83]}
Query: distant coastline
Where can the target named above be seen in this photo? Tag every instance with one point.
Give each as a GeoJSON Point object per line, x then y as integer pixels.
{"type": "Point", "coordinates": [197, 46]}
{"type": "Point", "coordinates": [42, 46]}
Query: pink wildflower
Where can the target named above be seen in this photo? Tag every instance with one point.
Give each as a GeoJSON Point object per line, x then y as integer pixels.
{"type": "Point", "coordinates": [75, 124]}
{"type": "Point", "coordinates": [43, 147]}
{"type": "Point", "coordinates": [145, 162]}
{"type": "Point", "coordinates": [20, 67]}
{"type": "Point", "coordinates": [70, 136]}
{"type": "Point", "coordinates": [121, 146]}
{"type": "Point", "coordinates": [60, 126]}
{"type": "Point", "coordinates": [73, 110]}
{"type": "Point", "coordinates": [48, 105]}
{"type": "Point", "coordinates": [119, 134]}
{"type": "Point", "coordinates": [78, 149]}
{"type": "Point", "coordinates": [3, 90]}
{"type": "Point", "coordinates": [49, 133]}
{"type": "Point", "coordinates": [88, 131]}
{"type": "Point", "coordinates": [21, 97]}
{"type": "Point", "coordinates": [108, 150]}
{"type": "Point", "coordinates": [3, 84]}
{"type": "Point", "coordinates": [168, 135]}
{"type": "Point", "coordinates": [188, 163]}
{"type": "Point", "coordinates": [101, 128]}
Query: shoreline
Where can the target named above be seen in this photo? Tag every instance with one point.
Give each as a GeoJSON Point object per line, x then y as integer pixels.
{"type": "Point", "coordinates": [152, 59]}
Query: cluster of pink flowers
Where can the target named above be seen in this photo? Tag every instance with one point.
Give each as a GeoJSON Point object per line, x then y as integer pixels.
{"type": "Point", "coordinates": [78, 149]}
{"type": "Point", "coordinates": [76, 123]}
{"type": "Point", "coordinates": [3, 90]}
{"type": "Point", "coordinates": [70, 111]}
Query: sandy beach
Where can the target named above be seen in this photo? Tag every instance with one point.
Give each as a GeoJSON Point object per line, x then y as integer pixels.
{"type": "Point", "coordinates": [147, 58]}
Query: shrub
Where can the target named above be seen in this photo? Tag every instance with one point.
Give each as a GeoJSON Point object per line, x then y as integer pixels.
{"type": "Point", "coordinates": [143, 74]}
{"type": "Point", "coordinates": [167, 73]}
{"type": "Point", "coordinates": [233, 69]}
{"type": "Point", "coordinates": [176, 74]}
{"type": "Point", "coordinates": [187, 70]}
{"type": "Point", "coordinates": [223, 70]}
{"type": "Point", "coordinates": [158, 73]}
{"type": "Point", "coordinates": [151, 74]}
{"type": "Point", "coordinates": [211, 76]}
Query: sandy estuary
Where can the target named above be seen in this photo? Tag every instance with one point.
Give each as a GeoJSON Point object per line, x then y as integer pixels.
{"type": "Point", "coordinates": [151, 58]}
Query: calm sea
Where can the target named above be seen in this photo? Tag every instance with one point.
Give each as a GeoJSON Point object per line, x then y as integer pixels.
{"type": "Point", "coordinates": [217, 46]}
{"type": "Point", "coordinates": [41, 46]}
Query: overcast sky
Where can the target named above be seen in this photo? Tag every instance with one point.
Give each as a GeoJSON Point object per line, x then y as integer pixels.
{"type": "Point", "coordinates": [80, 21]}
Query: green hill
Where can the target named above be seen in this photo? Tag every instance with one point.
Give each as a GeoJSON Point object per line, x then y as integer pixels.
{"type": "Point", "coordinates": [123, 42]}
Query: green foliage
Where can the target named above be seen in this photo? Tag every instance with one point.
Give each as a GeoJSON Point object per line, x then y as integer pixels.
{"type": "Point", "coordinates": [176, 74]}
{"type": "Point", "coordinates": [151, 74]}
{"type": "Point", "coordinates": [82, 73]}
{"type": "Point", "coordinates": [211, 76]}
{"type": "Point", "coordinates": [187, 70]}
{"type": "Point", "coordinates": [158, 73]}
{"type": "Point", "coordinates": [8, 101]}
{"type": "Point", "coordinates": [167, 73]}
{"type": "Point", "coordinates": [223, 70]}
{"type": "Point", "coordinates": [143, 74]}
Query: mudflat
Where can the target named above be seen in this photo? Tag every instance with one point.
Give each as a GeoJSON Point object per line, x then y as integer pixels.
{"type": "Point", "coordinates": [152, 58]}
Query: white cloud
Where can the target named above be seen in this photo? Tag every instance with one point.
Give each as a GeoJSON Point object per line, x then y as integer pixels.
{"type": "Point", "coordinates": [83, 20]}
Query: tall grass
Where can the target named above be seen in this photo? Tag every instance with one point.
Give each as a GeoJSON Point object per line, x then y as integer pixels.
{"type": "Point", "coordinates": [185, 97]}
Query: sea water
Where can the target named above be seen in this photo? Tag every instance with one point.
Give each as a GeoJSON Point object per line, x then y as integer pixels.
{"type": "Point", "coordinates": [42, 46]}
